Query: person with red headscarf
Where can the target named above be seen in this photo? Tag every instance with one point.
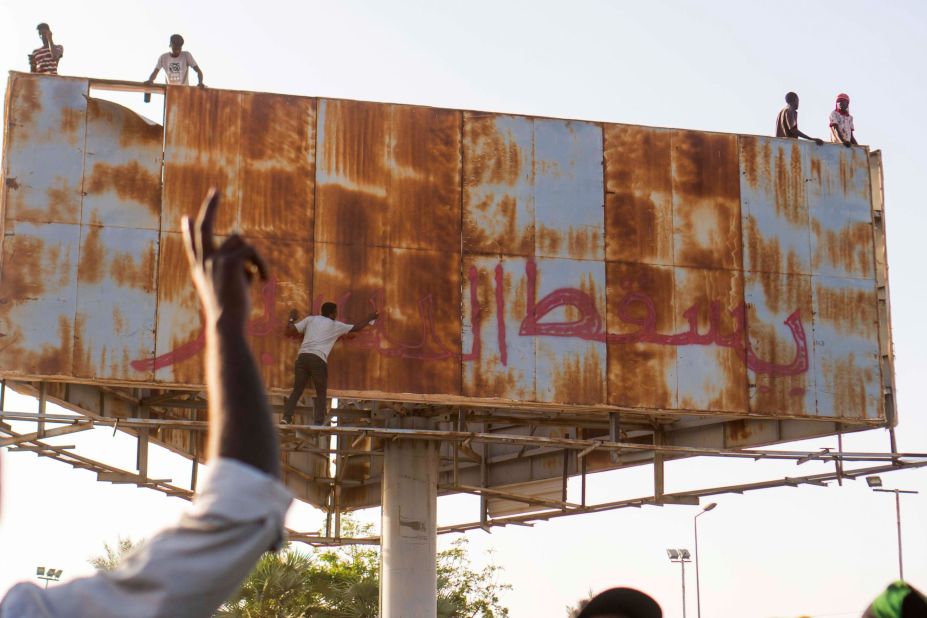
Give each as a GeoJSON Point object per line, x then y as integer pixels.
{"type": "Point", "coordinates": [841, 122]}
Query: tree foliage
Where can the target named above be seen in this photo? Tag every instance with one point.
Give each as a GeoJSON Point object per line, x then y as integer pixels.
{"type": "Point", "coordinates": [344, 582]}
{"type": "Point", "coordinates": [112, 556]}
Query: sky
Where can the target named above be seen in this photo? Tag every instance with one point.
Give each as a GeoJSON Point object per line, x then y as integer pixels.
{"type": "Point", "coordinates": [714, 66]}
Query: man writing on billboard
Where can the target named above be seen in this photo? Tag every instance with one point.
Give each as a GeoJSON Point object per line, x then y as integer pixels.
{"type": "Point", "coordinates": [320, 332]}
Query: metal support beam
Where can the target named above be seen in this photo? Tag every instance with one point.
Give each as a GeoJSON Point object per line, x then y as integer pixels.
{"type": "Point", "coordinates": [43, 400]}
{"type": "Point", "coordinates": [658, 466]}
{"type": "Point", "coordinates": [408, 556]}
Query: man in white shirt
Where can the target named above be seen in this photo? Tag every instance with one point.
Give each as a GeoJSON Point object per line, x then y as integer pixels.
{"type": "Point", "coordinates": [176, 64]}
{"type": "Point", "coordinates": [320, 332]}
{"type": "Point", "coordinates": [188, 570]}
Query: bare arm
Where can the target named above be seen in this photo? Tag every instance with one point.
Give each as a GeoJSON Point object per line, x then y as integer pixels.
{"type": "Point", "coordinates": [56, 51]}
{"type": "Point", "coordinates": [291, 330]}
{"type": "Point", "coordinates": [240, 424]}
{"type": "Point", "coordinates": [817, 141]}
{"type": "Point", "coordinates": [199, 75]}
{"type": "Point", "coordinates": [835, 131]}
{"type": "Point", "coordinates": [153, 75]}
{"type": "Point", "coordinates": [365, 322]}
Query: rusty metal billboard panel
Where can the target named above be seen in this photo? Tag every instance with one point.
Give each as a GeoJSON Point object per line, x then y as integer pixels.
{"type": "Point", "coordinates": [516, 261]}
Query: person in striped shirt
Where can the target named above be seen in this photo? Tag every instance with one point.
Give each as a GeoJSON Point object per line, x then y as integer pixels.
{"type": "Point", "coordinates": [45, 59]}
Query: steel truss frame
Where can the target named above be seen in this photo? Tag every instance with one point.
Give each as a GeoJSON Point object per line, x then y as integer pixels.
{"type": "Point", "coordinates": [306, 438]}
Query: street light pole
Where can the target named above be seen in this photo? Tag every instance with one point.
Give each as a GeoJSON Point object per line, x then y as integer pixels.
{"type": "Point", "coordinates": [49, 575]}
{"type": "Point", "coordinates": [876, 484]}
{"type": "Point", "coordinates": [698, 591]}
{"type": "Point", "coordinates": [682, 557]}
{"type": "Point", "coordinates": [898, 521]}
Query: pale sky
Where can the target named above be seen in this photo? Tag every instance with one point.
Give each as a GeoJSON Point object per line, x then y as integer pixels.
{"type": "Point", "coordinates": [720, 66]}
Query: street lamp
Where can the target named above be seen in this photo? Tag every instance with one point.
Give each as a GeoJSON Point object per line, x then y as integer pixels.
{"type": "Point", "coordinates": [875, 483]}
{"type": "Point", "coordinates": [698, 592]}
{"type": "Point", "coordinates": [49, 575]}
{"type": "Point", "coordinates": [682, 557]}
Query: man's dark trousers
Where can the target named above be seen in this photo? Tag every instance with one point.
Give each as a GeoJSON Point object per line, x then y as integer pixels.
{"type": "Point", "coordinates": [309, 365]}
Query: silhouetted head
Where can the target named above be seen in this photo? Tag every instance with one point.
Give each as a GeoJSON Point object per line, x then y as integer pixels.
{"type": "Point", "coordinates": [792, 99]}
{"type": "Point", "coordinates": [330, 310]}
{"type": "Point", "coordinates": [44, 31]}
{"type": "Point", "coordinates": [621, 603]}
{"type": "Point", "coordinates": [176, 44]}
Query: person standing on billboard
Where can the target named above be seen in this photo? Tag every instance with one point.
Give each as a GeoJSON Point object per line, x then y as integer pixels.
{"type": "Point", "coordinates": [177, 64]}
{"type": "Point", "coordinates": [45, 59]}
{"type": "Point", "coordinates": [841, 122]}
{"type": "Point", "coordinates": [320, 332]}
{"type": "Point", "coordinates": [787, 121]}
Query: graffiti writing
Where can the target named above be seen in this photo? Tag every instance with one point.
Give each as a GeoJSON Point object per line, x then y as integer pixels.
{"type": "Point", "coordinates": [635, 309]}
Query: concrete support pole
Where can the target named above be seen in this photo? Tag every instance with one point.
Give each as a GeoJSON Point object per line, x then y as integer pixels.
{"type": "Point", "coordinates": [408, 580]}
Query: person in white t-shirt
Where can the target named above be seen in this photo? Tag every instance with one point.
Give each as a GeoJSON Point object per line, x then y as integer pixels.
{"type": "Point", "coordinates": [320, 332]}
{"type": "Point", "coordinates": [177, 64]}
{"type": "Point", "coordinates": [841, 122]}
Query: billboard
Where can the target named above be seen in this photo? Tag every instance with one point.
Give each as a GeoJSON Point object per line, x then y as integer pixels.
{"type": "Point", "coordinates": [517, 261]}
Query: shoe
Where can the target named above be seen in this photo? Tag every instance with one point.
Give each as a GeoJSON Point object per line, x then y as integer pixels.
{"type": "Point", "coordinates": [286, 421]}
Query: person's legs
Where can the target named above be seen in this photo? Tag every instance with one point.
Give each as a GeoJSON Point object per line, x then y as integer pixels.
{"type": "Point", "coordinates": [300, 377]}
{"type": "Point", "coordinates": [319, 370]}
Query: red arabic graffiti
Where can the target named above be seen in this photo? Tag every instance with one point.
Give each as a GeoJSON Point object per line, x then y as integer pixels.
{"type": "Point", "coordinates": [589, 326]}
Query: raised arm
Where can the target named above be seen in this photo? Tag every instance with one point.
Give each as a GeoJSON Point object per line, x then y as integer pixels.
{"type": "Point", "coordinates": [55, 50]}
{"type": "Point", "coordinates": [359, 326]}
{"type": "Point", "coordinates": [291, 330]}
{"type": "Point", "coordinates": [239, 414]}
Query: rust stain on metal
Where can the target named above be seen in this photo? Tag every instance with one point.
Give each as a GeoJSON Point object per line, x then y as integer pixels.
{"type": "Point", "coordinates": [63, 204]}
{"type": "Point", "coordinates": [847, 381]}
{"type": "Point", "coordinates": [202, 142]}
{"type": "Point", "coordinates": [71, 126]}
{"type": "Point", "coordinates": [130, 181]}
{"type": "Point", "coordinates": [738, 431]}
{"type": "Point", "coordinates": [640, 374]}
{"type": "Point", "coordinates": [352, 173]}
{"type": "Point", "coordinates": [419, 332]}
{"type": "Point", "coordinates": [498, 214]}
{"type": "Point", "coordinates": [849, 248]}
{"type": "Point", "coordinates": [791, 201]}
{"type": "Point", "coordinates": [849, 311]}
{"type": "Point", "coordinates": [128, 272]}
{"type": "Point", "coordinates": [424, 189]}
{"type": "Point", "coordinates": [25, 105]}
{"type": "Point", "coordinates": [710, 378]}
{"type": "Point", "coordinates": [706, 200]}
{"type": "Point", "coordinates": [578, 379]}
{"type": "Point", "coordinates": [767, 257]}
{"type": "Point", "coordinates": [781, 295]}
{"type": "Point", "coordinates": [21, 279]}
{"type": "Point", "coordinates": [91, 255]}
{"type": "Point", "coordinates": [277, 166]}
{"type": "Point", "coordinates": [638, 194]}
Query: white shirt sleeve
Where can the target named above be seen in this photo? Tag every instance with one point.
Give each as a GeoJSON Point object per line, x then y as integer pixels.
{"type": "Point", "coordinates": [343, 328]}
{"type": "Point", "coordinates": [302, 324]}
{"type": "Point", "coordinates": [190, 61]}
{"type": "Point", "coordinates": [160, 63]}
{"type": "Point", "coordinates": [185, 571]}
